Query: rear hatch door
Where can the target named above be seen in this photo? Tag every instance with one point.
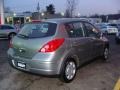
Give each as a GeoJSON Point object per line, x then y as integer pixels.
{"type": "Point", "coordinates": [32, 37]}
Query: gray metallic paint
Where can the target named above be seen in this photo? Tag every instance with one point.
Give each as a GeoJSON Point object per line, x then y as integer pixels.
{"type": "Point", "coordinates": [79, 49]}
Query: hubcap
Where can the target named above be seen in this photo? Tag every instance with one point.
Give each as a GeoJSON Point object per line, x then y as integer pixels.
{"type": "Point", "coordinates": [106, 52]}
{"type": "Point", "coordinates": [70, 70]}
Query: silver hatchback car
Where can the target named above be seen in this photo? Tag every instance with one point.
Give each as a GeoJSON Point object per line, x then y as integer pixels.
{"type": "Point", "coordinates": [57, 47]}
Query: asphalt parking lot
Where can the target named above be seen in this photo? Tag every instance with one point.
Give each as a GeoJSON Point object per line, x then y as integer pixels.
{"type": "Point", "coordinates": [96, 75]}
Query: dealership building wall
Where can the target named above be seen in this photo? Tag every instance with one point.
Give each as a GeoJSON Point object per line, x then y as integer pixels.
{"type": "Point", "coordinates": [21, 18]}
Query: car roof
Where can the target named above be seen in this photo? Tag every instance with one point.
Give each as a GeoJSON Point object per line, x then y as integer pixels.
{"type": "Point", "coordinates": [65, 20]}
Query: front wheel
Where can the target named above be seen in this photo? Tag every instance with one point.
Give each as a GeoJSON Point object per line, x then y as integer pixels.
{"type": "Point", "coordinates": [11, 35]}
{"type": "Point", "coordinates": [69, 71]}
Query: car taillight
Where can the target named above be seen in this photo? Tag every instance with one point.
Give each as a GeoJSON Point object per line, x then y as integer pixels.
{"type": "Point", "coordinates": [51, 46]}
{"type": "Point", "coordinates": [10, 44]}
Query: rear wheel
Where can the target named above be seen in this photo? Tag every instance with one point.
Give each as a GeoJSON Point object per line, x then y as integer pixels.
{"type": "Point", "coordinates": [105, 54]}
{"type": "Point", "coordinates": [69, 71]}
{"type": "Point", "coordinates": [117, 41]}
{"type": "Point", "coordinates": [11, 35]}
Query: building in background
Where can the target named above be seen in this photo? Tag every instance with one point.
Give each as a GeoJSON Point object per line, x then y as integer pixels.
{"type": "Point", "coordinates": [43, 15]}
{"type": "Point", "coordinates": [114, 18]}
{"type": "Point", "coordinates": [114, 21]}
{"type": "Point", "coordinates": [21, 18]}
{"type": "Point", "coordinates": [18, 18]}
{"type": "Point", "coordinates": [95, 20]}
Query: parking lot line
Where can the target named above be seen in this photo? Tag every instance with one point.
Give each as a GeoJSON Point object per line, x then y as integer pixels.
{"type": "Point", "coordinates": [117, 86]}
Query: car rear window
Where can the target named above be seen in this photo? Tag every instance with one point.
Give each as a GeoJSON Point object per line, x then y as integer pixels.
{"type": "Point", "coordinates": [38, 30]}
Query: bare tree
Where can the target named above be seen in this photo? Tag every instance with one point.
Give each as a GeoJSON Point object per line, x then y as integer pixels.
{"type": "Point", "coordinates": [71, 6]}
{"type": "Point", "coordinates": [50, 9]}
{"type": "Point", "coordinates": [67, 13]}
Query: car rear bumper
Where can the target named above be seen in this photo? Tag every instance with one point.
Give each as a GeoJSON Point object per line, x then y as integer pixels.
{"type": "Point", "coordinates": [35, 66]}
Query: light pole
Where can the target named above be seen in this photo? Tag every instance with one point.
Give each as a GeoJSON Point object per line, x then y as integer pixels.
{"type": "Point", "coordinates": [78, 14]}
{"type": "Point", "coordinates": [38, 10]}
{"type": "Point", "coordinates": [107, 18]}
{"type": "Point", "coordinates": [2, 11]}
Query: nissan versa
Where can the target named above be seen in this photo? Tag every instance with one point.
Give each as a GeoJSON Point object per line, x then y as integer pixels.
{"type": "Point", "coordinates": [57, 47]}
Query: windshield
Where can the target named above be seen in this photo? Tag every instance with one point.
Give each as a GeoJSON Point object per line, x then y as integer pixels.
{"type": "Point", "coordinates": [38, 30]}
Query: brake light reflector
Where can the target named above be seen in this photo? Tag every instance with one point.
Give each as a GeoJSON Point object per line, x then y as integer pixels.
{"type": "Point", "coordinates": [52, 45]}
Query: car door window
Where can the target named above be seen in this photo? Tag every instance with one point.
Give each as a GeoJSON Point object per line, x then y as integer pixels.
{"type": "Point", "coordinates": [90, 30]}
{"type": "Point", "coordinates": [74, 29]}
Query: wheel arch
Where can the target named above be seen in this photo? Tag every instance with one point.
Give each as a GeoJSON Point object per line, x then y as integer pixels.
{"type": "Point", "coordinates": [70, 57]}
{"type": "Point", "coordinates": [12, 33]}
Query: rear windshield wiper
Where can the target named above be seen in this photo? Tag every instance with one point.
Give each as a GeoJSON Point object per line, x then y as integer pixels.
{"type": "Point", "coordinates": [21, 35]}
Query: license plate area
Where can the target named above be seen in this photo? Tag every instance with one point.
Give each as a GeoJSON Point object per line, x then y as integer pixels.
{"type": "Point", "coordinates": [21, 64]}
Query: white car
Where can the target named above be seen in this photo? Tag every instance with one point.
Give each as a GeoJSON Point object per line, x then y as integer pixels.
{"type": "Point", "coordinates": [7, 31]}
{"type": "Point", "coordinates": [117, 25]}
{"type": "Point", "coordinates": [107, 28]}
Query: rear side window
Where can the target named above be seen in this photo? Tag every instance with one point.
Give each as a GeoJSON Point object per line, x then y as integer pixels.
{"type": "Point", "coordinates": [5, 27]}
{"type": "Point", "coordinates": [74, 29]}
{"type": "Point", "coordinates": [38, 30]}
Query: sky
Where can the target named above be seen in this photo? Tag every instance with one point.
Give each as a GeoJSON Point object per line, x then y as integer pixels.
{"type": "Point", "coordinates": [84, 7]}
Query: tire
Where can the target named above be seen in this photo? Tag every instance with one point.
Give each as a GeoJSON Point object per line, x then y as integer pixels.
{"type": "Point", "coordinates": [105, 54]}
{"type": "Point", "coordinates": [68, 71]}
{"type": "Point", "coordinates": [117, 41]}
{"type": "Point", "coordinates": [11, 35]}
